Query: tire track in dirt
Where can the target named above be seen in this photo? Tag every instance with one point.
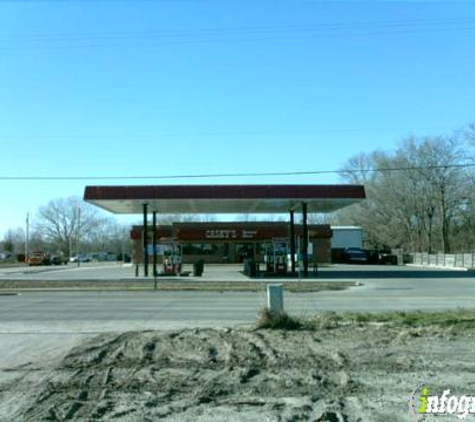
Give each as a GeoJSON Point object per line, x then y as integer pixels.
{"type": "Point", "coordinates": [346, 374]}
{"type": "Point", "coordinates": [148, 374]}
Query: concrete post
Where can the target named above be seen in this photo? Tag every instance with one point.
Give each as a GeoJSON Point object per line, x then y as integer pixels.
{"type": "Point", "coordinates": [292, 240]}
{"type": "Point", "coordinates": [275, 298]}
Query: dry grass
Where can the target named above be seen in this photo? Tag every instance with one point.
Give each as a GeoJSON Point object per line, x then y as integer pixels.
{"type": "Point", "coordinates": [399, 318]}
{"type": "Point", "coordinates": [460, 318]}
{"type": "Point", "coordinates": [267, 319]}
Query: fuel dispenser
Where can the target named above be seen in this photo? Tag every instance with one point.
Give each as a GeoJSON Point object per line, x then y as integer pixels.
{"type": "Point", "coordinates": [276, 256]}
{"type": "Point", "coordinates": [172, 256]}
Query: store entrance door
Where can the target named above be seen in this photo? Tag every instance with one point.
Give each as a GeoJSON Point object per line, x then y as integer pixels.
{"type": "Point", "coordinates": [243, 251]}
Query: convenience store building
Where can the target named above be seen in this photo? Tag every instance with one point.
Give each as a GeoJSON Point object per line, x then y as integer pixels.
{"type": "Point", "coordinates": [232, 242]}
{"type": "Point", "coordinates": [229, 239]}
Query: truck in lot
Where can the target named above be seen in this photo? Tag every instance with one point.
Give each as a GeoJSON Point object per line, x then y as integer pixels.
{"type": "Point", "coordinates": [344, 238]}
{"type": "Point", "coordinates": [39, 258]}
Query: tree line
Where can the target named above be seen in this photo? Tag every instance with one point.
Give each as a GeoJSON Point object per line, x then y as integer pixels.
{"type": "Point", "coordinates": [69, 226]}
{"type": "Point", "coordinates": [420, 196]}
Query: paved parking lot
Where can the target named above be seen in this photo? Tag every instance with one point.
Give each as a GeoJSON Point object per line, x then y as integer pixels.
{"type": "Point", "coordinates": [98, 271]}
{"type": "Point", "coordinates": [117, 271]}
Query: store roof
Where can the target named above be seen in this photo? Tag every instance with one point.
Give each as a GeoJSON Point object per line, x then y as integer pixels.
{"type": "Point", "coordinates": [221, 199]}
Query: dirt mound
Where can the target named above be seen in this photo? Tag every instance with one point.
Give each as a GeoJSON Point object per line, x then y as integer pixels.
{"type": "Point", "coordinates": [181, 375]}
{"type": "Point", "coordinates": [337, 375]}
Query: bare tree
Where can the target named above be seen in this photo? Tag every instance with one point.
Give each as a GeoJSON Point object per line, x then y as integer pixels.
{"type": "Point", "coordinates": [63, 221]}
{"type": "Point", "coordinates": [469, 134]}
{"type": "Point", "coordinates": [359, 169]}
{"type": "Point", "coordinates": [317, 218]}
{"type": "Point", "coordinates": [14, 240]}
{"type": "Point", "coordinates": [185, 218]}
{"type": "Point", "coordinates": [416, 195]}
{"type": "Point", "coordinates": [109, 236]}
{"type": "Point", "coordinates": [446, 182]}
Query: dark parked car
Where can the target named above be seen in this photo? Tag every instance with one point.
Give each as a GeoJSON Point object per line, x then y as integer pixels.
{"type": "Point", "coordinates": [58, 260]}
{"type": "Point", "coordinates": [355, 256]}
{"type": "Point", "coordinates": [381, 257]}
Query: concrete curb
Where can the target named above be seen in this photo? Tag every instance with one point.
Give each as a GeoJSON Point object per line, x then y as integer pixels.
{"type": "Point", "coordinates": [438, 267]}
{"type": "Point", "coordinates": [208, 287]}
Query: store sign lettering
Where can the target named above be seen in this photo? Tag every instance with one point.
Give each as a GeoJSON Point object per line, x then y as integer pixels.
{"type": "Point", "coordinates": [249, 234]}
{"type": "Point", "coordinates": [220, 234]}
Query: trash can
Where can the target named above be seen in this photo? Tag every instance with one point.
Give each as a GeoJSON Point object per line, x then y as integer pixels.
{"type": "Point", "coordinates": [246, 266]}
{"type": "Point", "coordinates": [252, 269]}
{"type": "Point", "coordinates": [198, 268]}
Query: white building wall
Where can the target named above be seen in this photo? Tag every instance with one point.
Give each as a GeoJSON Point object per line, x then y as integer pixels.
{"type": "Point", "coordinates": [347, 237]}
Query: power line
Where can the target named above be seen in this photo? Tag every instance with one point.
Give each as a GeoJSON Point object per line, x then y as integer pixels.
{"type": "Point", "coordinates": [229, 175]}
{"type": "Point", "coordinates": [220, 134]}
{"type": "Point", "coordinates": [256, 33]}
{"type": "Point", "coordinates": [236, 30]}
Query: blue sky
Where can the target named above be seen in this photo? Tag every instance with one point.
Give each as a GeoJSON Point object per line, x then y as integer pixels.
{"type": "Point", "coordinates": [132, 88]}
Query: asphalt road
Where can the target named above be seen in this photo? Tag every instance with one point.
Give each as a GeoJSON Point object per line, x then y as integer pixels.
{"type": "Point", "coordinates": [96, 311]}
{"type": "Point", "coordinates": [42, 325]}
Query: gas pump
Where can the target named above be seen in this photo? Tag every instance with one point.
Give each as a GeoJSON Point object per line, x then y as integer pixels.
{"type": "Point", "coordinates": [269, 257]}
{"type": "Point", "coordinates": [281, 247]}
{"type": "Point", "coordinates": [172, 256]}
{"type": "Point", "coordinates": [276, 255]}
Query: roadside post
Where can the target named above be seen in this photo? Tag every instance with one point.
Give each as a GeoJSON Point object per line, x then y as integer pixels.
{"type": "Point", "coordinates": [154, 242]}
{"type": "Point", "coordinates": [275, 298]}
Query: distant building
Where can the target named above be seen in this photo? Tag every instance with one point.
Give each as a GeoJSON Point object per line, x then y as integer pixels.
{"type": "Point", "coordinates": [345, 237]}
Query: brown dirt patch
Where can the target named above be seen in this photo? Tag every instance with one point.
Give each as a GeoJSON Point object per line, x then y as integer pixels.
{"type": "Point", "coordinates": [346, 373]}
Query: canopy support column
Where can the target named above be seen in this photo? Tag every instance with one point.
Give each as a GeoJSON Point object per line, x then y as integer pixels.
{"type": "Point", "coordinates": [145, 241]}
{"type": "Point", "coordinates": [154, 219]}
{"type": "Point", "coordinates": [305, 239]}
{"type": "Point", "coordinates": [292, 240]}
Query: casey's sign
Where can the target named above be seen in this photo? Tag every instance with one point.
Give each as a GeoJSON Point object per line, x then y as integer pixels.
{"type": "Point", "coordinates": [221, 234]}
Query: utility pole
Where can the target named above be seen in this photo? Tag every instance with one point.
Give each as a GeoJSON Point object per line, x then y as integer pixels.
{"type": "Point", "coordinates": [123, 245]}
{"type": "Point", "coordinates": [27, 237]}
{"type": "Point", "coordinates": [77, 237]}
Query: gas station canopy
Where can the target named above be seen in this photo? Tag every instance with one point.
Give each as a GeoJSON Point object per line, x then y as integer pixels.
{"type": "Point", "coordinates": [222, 199]}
